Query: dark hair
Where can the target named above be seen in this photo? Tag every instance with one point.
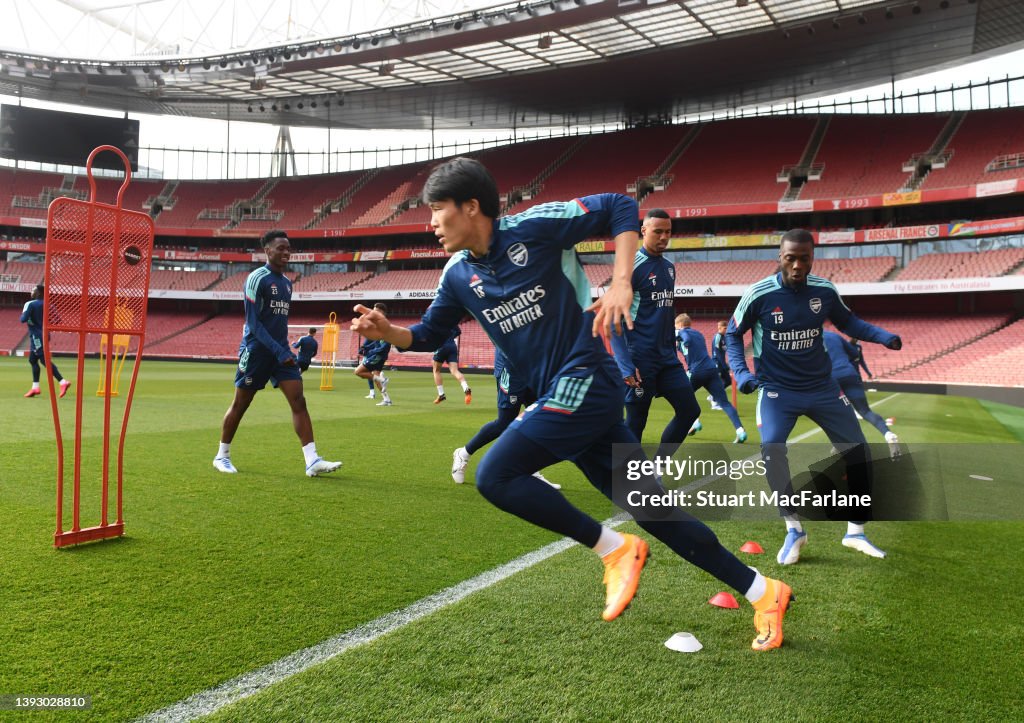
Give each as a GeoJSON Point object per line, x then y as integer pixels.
{"type": "Point", "coordinates": [312, 330]}
{"type": "Point", "coordinates": [460, 180]}
{"type": "Point", "coordinates": [381, 307]}
{"type": "Point", "coordinates": [797, 236]}
{"type": "Point", "coordinates": [270, 236]}
{"type": "Point", "coordinates": [40, 287]}
{"type": "Point", "coordinates": [657, 213]}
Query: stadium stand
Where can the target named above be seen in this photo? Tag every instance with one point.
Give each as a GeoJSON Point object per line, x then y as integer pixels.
{"type": "Point", "coordinates": [375, 186]}
{"type": "Point", "coordinates": [598, 274]}
{"type": "Point", "coordinates": [135, 196]}
{"type": "Point", "coordinates": [215, 338]}
{"type": "Point", "coordinates": [722, 272]}
{"type": "Point", "coordinates": [12, 331]}
{"type": "Point", "coordinates": [963, 265]}
{"type": "Point", "coordinates": [735, 161]}
{"type": "Point", "coordinates": [924, 338]}
{"type": "Point", "coordinates": [27, 194]}
{"type": "Point", "coordinates": [854, 271]}
{"type": "Point", "coordinates": [997, 359]}
{"type": "Point", "coordinates": [401, 280]}
{"type": "Point", "coordinates": [330, 281]}
{"type": "Point", "coordinates": [864, 155]}
{"type": "Point", "coordinates": [607, 163]}
{"type": "Point", "coordinates": [236, 282]}
{"type": "Point", "coordinates": [983, 137]}
{"type": "Point", "coordinates": [31, 272]}
{"type": "Point", "coordinates": [716, 273]}
{"type": "Point", "coordinates": [183, 280]}
{"type": "Point", "coordinates": [293, 202]}
{"type": "Point", "coordinates": [191, 198]}
{"type": "Point", "coordinates": [514, 167]}
{"type": "Point", "coordinates": [161, 327]}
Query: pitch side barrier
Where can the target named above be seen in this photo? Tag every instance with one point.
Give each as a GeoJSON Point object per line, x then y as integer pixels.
{"type": "Point", "coordinates": [1003, 395]}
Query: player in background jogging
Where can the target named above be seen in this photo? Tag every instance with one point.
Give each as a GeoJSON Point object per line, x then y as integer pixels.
{"type": "Point", "coordinates": [792, 376]}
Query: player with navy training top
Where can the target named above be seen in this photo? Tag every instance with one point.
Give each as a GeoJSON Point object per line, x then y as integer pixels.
{"type": "Point", "coordinates": [448, 353]}
{"type": "Point", "coordinates": [720, 357]}
{"type": "Point", "coordinates": [32, 315]}
{"type": "Point", "coordinates": [375, 354]}
{"type": "Point", "coordinates": [846, 359]}
{"type": "Point", "coordinates": [265, 355]}
{"type": "Point", "coordinates": [785, 312]}
{"type": "Point", "coordinates": [513, 395]}
{"type": "Point", "coordinates": [646, 354]}
{"type": "Point", "coordinates": [703, 372]}
{"type": "Point", "coordinates": [520, 278]}
{"type": "Point", "coordinates": [307, 347]}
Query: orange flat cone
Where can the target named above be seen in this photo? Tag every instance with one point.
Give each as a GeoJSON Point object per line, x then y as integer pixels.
{"type": "Point", "coordinates": [724, 600]}
{"type": "Point", "coordinates": [752, 547]}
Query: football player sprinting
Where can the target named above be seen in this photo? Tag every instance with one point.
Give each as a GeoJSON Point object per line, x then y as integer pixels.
{"type": "Point", "coordinates": [520, 278]}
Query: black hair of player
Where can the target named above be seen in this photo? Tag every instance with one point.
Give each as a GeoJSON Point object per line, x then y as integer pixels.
{"type": "Point", "coordinates": [798, 236]}
{"type": "Point", "coordinates": [381, 307]}
{"type": "Point", "coordinates": [657, 213]}
{"type": "Point", "coordinates": [270, 236]}
{"type": "Point", "coordinates": [461, 180]}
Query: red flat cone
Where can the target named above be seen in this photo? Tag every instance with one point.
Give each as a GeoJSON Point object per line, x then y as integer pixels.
{"type": "Point", "coordinates": [752, 547]}
{"type": "Point", "coordinates": [724, 600]}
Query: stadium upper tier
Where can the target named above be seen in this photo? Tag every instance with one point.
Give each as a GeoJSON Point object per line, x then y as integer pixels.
{"type": "Point", "coordinates": [720, 163]}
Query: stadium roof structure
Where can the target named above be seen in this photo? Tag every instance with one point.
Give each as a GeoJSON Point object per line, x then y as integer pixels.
{"type": "Point", "coordinates": [541, 64]}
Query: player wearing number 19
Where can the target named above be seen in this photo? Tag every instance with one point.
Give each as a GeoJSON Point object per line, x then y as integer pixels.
{"type": "Point", "coordinates": [785, 313]}
{"type": "Point", "coordinates": [519, 276]}
{"type": "Point", "coordinates": [265, 355]}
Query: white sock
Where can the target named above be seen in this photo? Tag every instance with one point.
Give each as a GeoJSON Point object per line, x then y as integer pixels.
{"type": "Point", "coordinates": [385, 397]}
{"type": "Point", "coordinates": [740, 430]}
{"type": "Point", "coordinates": [440, 390]}
{"type": "Point", "coordinates": [793, 523]}
{"type": "Point", "coordinates": [465, 386]}
{"type": "Point", "coordinates": [309, 452]}
{"type": "Point", "coordinates": [608, 542]}
{"type": "Point", "coordinates": [852, 529]}
{"type": "Point", "coordinates": [224, 451]}
{"type": "Point", "coordinates": [35, 385]}
{"type": "Point", "coordinates": [757, 588]}
{"type": "Point", "coordinates": [377, 378]}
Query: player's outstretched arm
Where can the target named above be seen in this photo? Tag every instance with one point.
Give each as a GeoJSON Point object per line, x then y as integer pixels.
{"type": "Point", "coordinates": [374, 325]}
{"type": "Point", "coordinates": [617, 302]}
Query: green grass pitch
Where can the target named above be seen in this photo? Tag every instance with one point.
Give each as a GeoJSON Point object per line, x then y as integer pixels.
{"type": "Point", "coordinates": [219, 575]}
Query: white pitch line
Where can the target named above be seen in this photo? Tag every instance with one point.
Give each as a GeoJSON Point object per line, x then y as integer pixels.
{"type": "Point", "coordinates": [213, 699]}
{"type": "Point", "coordinates": [247, 684]}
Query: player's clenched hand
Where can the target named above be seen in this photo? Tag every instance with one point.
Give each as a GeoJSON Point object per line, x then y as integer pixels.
{"type": "Point", "coordinates": [633, 380]}
{"type": "Point", "coordinates": [370, 323]}
{"type": "Point", "coordinates": [750, 385]}
{"type": "Point", "coordinates": [611, 308]}
{"type": "Point", "coordinates": [896, 344]}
